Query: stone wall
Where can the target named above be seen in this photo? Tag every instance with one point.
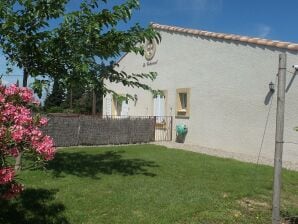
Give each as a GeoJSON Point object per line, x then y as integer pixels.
{"type": "Point", "coordinates": [73, 130]}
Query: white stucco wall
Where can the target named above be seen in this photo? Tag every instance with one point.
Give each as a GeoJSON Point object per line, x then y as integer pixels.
{"type": "Point", "coordinates": [229, 84]}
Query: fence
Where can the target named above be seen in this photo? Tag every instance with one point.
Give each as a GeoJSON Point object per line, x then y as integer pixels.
{"type": "Point", "coordinates": [163, 128]}
{"type": "Point", "coordinates": [73, 130]}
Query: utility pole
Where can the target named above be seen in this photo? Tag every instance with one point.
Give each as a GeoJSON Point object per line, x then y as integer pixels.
{"type": "Point", "coordinates": [279, 135]}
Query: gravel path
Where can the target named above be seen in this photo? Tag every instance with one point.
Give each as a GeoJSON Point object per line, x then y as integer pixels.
{"type": "Point", "coordinates": [225, 154]}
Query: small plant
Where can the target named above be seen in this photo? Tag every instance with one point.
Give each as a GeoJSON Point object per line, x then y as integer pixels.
{"type": "Point", "coordinates": [19, 134]}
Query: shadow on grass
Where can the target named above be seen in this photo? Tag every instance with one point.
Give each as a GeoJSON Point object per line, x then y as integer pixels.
{"type": "Point", "coordinates": [34, 206]}
{"type": "Point", "coordinates": [90, 165]}
{"type": "Point", "coordinates": [291, 220]}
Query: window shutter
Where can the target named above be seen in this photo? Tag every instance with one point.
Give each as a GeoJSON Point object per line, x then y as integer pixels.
{"type": "Point", "coordinates": [124, 109]}
{"type": "Point", "coordinates": [109, 105]}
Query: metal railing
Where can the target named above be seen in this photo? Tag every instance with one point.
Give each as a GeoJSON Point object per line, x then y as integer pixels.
{"type": "Point", "coordinates": [163, 128]}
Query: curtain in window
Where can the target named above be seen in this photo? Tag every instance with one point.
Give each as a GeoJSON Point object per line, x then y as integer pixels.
{"type": "Point", "coordinates": [159, 107]}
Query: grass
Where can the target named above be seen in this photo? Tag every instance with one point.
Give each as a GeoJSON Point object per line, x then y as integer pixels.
{"type": "Point", "coordinates": [147, 184]}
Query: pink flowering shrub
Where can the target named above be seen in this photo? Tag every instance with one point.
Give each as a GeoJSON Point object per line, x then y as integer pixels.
{"type": "Point", "coordinates": [19, 133]}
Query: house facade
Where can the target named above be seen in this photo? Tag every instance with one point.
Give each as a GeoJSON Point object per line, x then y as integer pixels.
{"type": "Point", "coordinates": [215, 84]}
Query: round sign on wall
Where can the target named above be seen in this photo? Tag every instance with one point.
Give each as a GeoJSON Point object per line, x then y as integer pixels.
{"type": "Point", "coordinates": [150, 49]}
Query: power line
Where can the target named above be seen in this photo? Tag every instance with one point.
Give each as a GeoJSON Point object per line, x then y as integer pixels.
{"type": "Point", "coordinates": [11, 75]}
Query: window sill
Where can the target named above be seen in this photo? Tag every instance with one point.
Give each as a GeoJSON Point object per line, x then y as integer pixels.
{"type": "Point", "coordinates": [182, 111]}
{"type": "Point", "coordinates": [181, 117]}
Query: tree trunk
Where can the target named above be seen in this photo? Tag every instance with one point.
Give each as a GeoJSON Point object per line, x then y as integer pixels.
{"type": "Point", "coordinates": [93, 102]}
{"type": "Point", "coordinates": [25, 78]}
{"type": "Point", "coordinates": [18, 164]}
{"type": "Point", "coordinates": [70, 99]}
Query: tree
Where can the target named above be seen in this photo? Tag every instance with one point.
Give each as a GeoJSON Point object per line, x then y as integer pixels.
{"type": "Point", "coordinates": [81, 50]}
{"type": "Point", "coordinates": [89, 42]}
{"type": "Point", "coordinates": [24, 32]}
{"type": "Point", "coordinates": [57, 95]}
{"type": "Point", "coordinates": [24, 36]}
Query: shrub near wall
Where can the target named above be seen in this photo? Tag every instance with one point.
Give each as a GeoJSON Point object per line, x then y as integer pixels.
{"type": "Point", "coordinates": [20, 134]}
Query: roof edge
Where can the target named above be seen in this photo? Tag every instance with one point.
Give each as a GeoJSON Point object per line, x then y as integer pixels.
{"type": "Point", "coordinates": [232, 37]}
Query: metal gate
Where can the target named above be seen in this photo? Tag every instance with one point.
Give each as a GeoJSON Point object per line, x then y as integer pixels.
{"type": "Point", "coordinates": [163, 128]}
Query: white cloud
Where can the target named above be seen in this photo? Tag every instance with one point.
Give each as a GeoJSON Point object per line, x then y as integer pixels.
{"type": "Point", "coordinates": [263, 30]}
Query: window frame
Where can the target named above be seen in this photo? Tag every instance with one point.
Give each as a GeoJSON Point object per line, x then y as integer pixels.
{"type": "Point", "coordinates": [180, 111]}
{"type": "Point", "coordinates": [117, 105]}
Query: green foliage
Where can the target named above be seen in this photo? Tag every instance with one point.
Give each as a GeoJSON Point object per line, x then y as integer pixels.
{"type": "Point", "coordinates": [54, 109]}
{"type": "Point", "coordinates": [24, 33]}
{"type": "Point", "coordinates": [38, 85]}
{"type": "Point", "coordinates": [89, 37]}
{"type": "Point", "coordinates": [82, 101]}
{"type": "Point", "coordinates": [81, 50]}
{"type": "Point", "coordinates": [56, 97]}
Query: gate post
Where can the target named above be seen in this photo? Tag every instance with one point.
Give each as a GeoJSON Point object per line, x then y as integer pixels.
{"type": "Point", "coordinates": [79, 130]}
{"type": "Point", "coordinates": [154, 127]}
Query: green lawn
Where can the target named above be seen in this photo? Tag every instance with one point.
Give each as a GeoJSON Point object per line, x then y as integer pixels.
{"type": "Point", "coordinates": [147, 184]}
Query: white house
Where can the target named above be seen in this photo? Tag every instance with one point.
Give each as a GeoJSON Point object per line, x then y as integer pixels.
{"type": "Point", "coordinates": [217, 85]}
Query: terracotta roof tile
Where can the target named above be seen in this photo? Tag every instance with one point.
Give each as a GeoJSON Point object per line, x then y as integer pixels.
{"type": "Point", "coordinates": [245, 39]}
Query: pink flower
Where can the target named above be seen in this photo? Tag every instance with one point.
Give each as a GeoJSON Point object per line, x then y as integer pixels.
{"type": "Point", "coordinates": [6, 175]}
{"type": "Point", "coordinates": [9, 110]}
{"type": "Point", "coordinates": [26, 94]}
{"type": "Point", "coordinates": [14, 152]}
{"type": "Point", "coordinates": [15, 189]}
{"type": "Point", "coordinates": [43, 121]}
{"type": "Point", "coordinates": [2, 98]}
{"type": "Point", "coordinates": [35, 135]}
{"type": "Point", "coordinates": [2, 132]}
{"type": "Point", "coordinates": [45, 147]}
{"type": "Point", "coordinates": [23, 116]}
{"type": "Point", "coordinates": [17, 133]}
{"type": "Point", "coordinates": [11, 90]}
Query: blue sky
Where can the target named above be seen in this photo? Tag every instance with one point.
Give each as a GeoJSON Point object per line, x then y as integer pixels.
{"type": "Point", "coordinates": [272, 19]}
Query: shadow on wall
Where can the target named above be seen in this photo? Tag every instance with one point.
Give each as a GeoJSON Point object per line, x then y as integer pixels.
{"type": "Point", "coordinates": [291, 81]}
{"type": "Point", "coordinates": [34, 206]}
{"type": "Point", "coordinates": [180, 138]}
{"type": "Point", "coordinates": [268, 97]}
{"type": "Point", "coordinates": [89, 165]}
{"type": "Point", "coordinates": [288, 87]}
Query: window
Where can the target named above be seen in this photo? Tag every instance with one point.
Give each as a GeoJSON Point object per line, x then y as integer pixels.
{"type": "Point", "coordinates": [120, 106]}
{"type": "Point", "coordinates": [117, 106]}
{"type": "Point", "coordinates": [183, 100]}
{"type": "Point", "coordinates": [159, 106]}
{"type": "Point", "coordinates": [183, 104]}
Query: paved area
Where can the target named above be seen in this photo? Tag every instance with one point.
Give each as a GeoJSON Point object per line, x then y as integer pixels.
{"type": "Point", "coordinates": [225, 154]}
